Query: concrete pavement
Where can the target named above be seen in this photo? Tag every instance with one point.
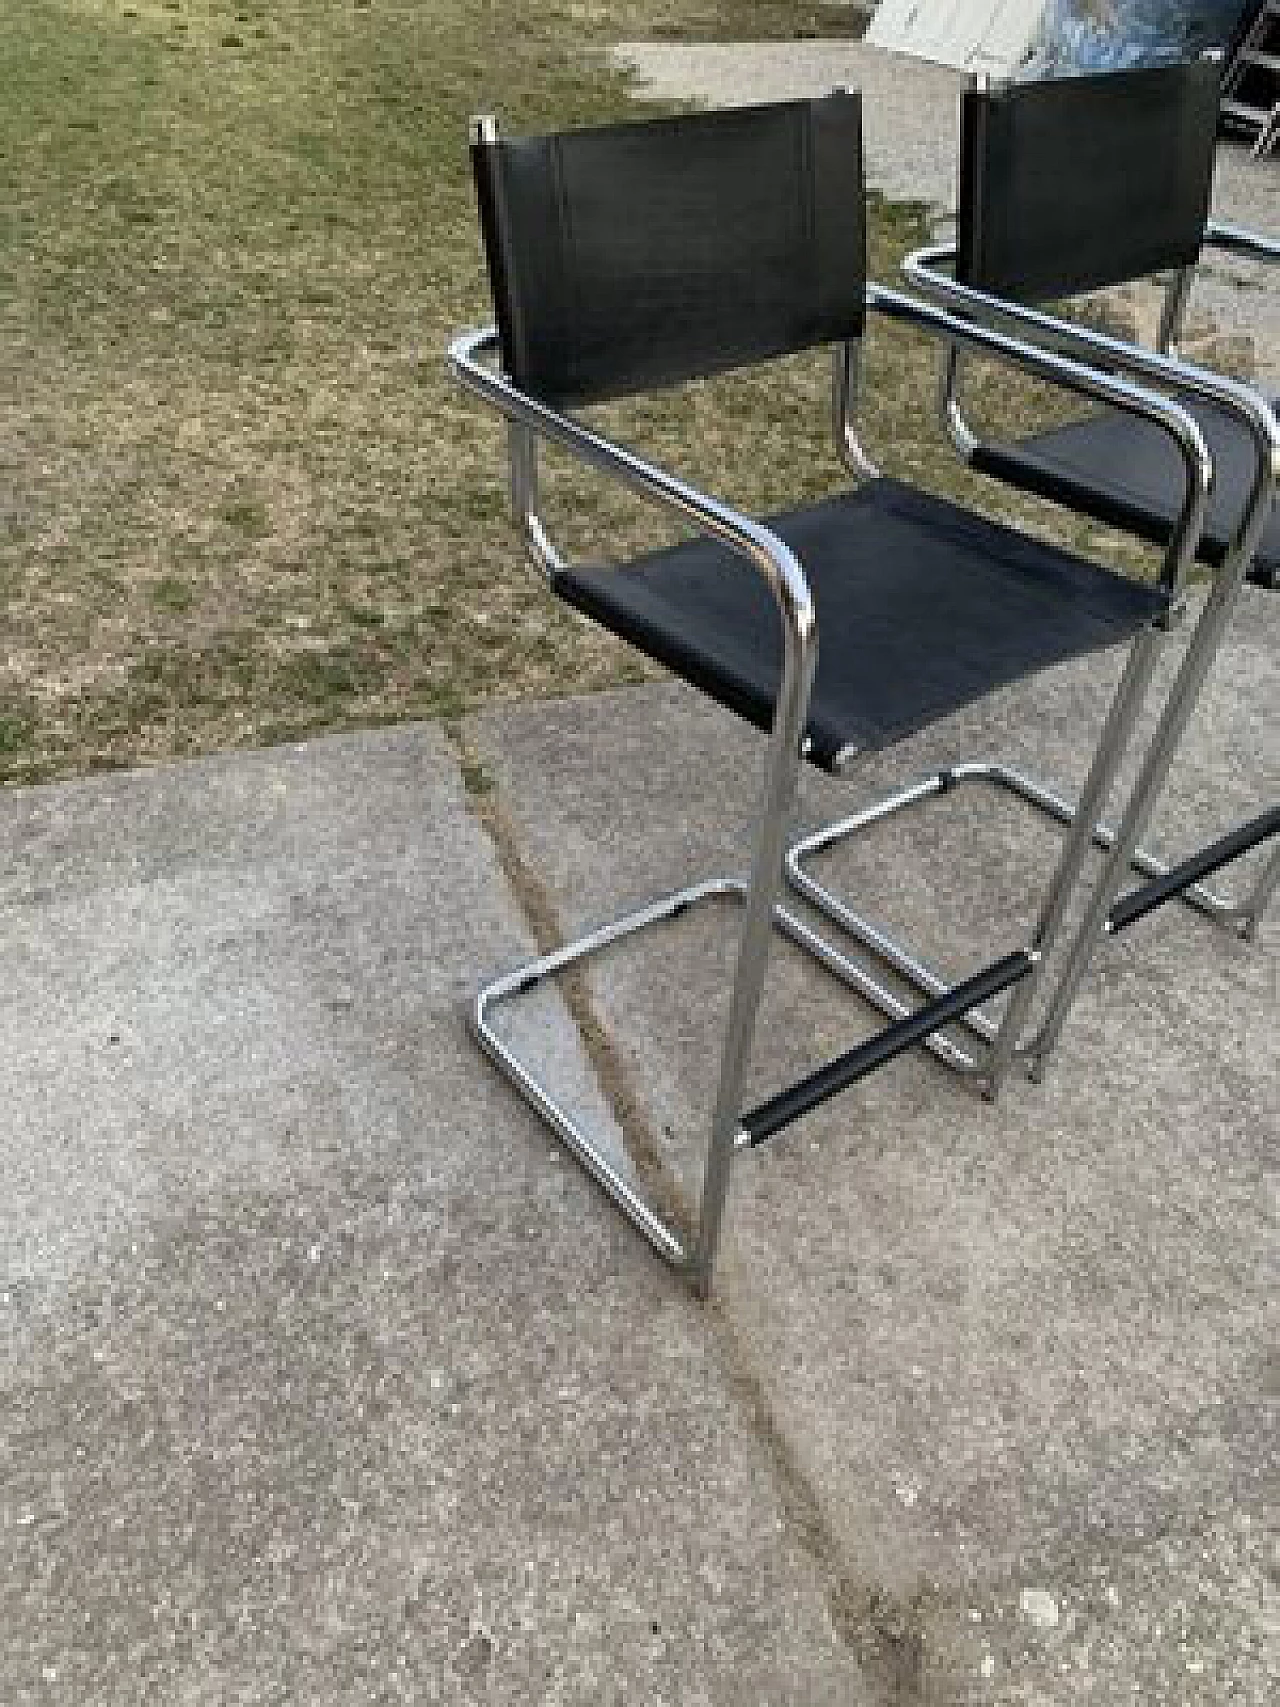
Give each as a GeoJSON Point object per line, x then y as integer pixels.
{"type": "Point", "coordinates": [325, 1378]}
{"type": "Point", "coordinates": [329, 1377]}
{"type": "Point", "coordinates": [1021, 1352]}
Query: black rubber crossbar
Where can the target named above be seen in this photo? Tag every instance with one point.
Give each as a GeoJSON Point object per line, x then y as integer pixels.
{"type": "Point", "coordinates": [1145, 899]}
{"type": "Point", "coordinates": [807, 1093]}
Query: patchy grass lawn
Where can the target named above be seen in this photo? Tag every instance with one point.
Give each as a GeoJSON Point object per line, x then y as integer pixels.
{"type": "Point", "coordinates": [239, 498]}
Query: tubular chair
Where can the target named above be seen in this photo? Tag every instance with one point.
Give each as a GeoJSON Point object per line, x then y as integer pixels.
{"type": "Point", "coordinates": [637, 256]}
{"type": "Point", "coordinates": [1070, 186]}
{"type": "Point", "coordinates": [1066, 186]}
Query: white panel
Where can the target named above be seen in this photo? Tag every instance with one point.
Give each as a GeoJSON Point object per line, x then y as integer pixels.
{"type": "Point", "coordinates": [972, 35]}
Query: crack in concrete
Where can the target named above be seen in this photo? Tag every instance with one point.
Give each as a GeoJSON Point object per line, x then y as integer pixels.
{"type": "Point", "coordinates": [539, 911]}
{"type": "Point", "coordinates": [884, 1632]}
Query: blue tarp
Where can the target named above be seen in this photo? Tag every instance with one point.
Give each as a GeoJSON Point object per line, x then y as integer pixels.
{"type": "Point", "coordinates": [1106, 35]}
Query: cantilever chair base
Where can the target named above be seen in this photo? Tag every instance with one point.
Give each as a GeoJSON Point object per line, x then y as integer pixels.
{"type": "Point", "coordinates": [909, 1028]}
{"type": "Point", "coordinates": [1166, 882]}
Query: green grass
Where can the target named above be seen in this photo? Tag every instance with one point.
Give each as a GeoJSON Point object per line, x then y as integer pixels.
{"type": "Point", "coordinates": [239, 498]}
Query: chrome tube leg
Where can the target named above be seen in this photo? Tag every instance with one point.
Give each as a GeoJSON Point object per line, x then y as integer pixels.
{"type": "Point", "coordinates": [1121, 718]}
{"type": "Point", "coordinates": [522, 464]}
{"type": "Point", "coordinates": [1173, 310]}
{"type": "Point", "coordinates": [1254, 910]}
{"type": "Point", "coordinates": [522, 461]}
{"type": "Point", "coordinates": [1142, 798]}
{"type": "Point", "coordinates": [781, 772]}
{"type": "Point", "coordinates": [950, 409]}
{"type": "Point", "coordinates": [846, 380]}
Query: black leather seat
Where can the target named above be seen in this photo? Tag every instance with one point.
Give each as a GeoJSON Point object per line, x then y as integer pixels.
{"type": "Point", "coordinates": [922, 608]}
{"type": "Point", "coordinates": [1124, 472]}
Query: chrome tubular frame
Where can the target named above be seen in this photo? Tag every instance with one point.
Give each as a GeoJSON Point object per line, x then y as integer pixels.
{"type": "Point", "coordinates": [925, 978]}
{"type": "Point", "coordinates": [994, 1043]}
{"type": "Point", "coordinates": [1069, 369]}
{"type": "Point", "coordinates": [664, 1238]}
{"type": "Point", "coordinates": [1239, 240]}
{"type": "Point", "coordinates": [925, 270]}
{"type": "Point", "coordinates": [922, 270]}
{"type": "Point", "coordinates": [1173, 310]}
{"type": "Point", "coordinates": [1256, 246]}
{"type": "Point", "coordinates": [1264, 890]}
{"type": "Point", "coordinates": [522, 459]}
{"type": "Point", "coordinates": [846, 375]}
{"type": "Point", "coordinates": [529, 419]}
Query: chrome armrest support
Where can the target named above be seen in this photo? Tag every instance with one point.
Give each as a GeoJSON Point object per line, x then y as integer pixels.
{"type": "Point", "coordinates": [1067, 373]}
{"type": "Point", "coordinates": [764, 550]}
{"type": "Point", "coordinates": [959, 431]}
{"type": "Point", "coordinates": [846, 377]}
{"type": "Point", "coordinates": [1115, 356]}
{"type": "Point", "coordinates": [522, 460]}
{"type": "Point", "coordinates": [1173, 311]}
{"type": "Point", "coordinates": [1236, 240]}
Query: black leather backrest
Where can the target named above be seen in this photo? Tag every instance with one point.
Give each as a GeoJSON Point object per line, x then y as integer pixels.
{"type": "Point", "coordinates": [639, 255]}
{"type": "Point", "coordinates": [1074, 184]}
